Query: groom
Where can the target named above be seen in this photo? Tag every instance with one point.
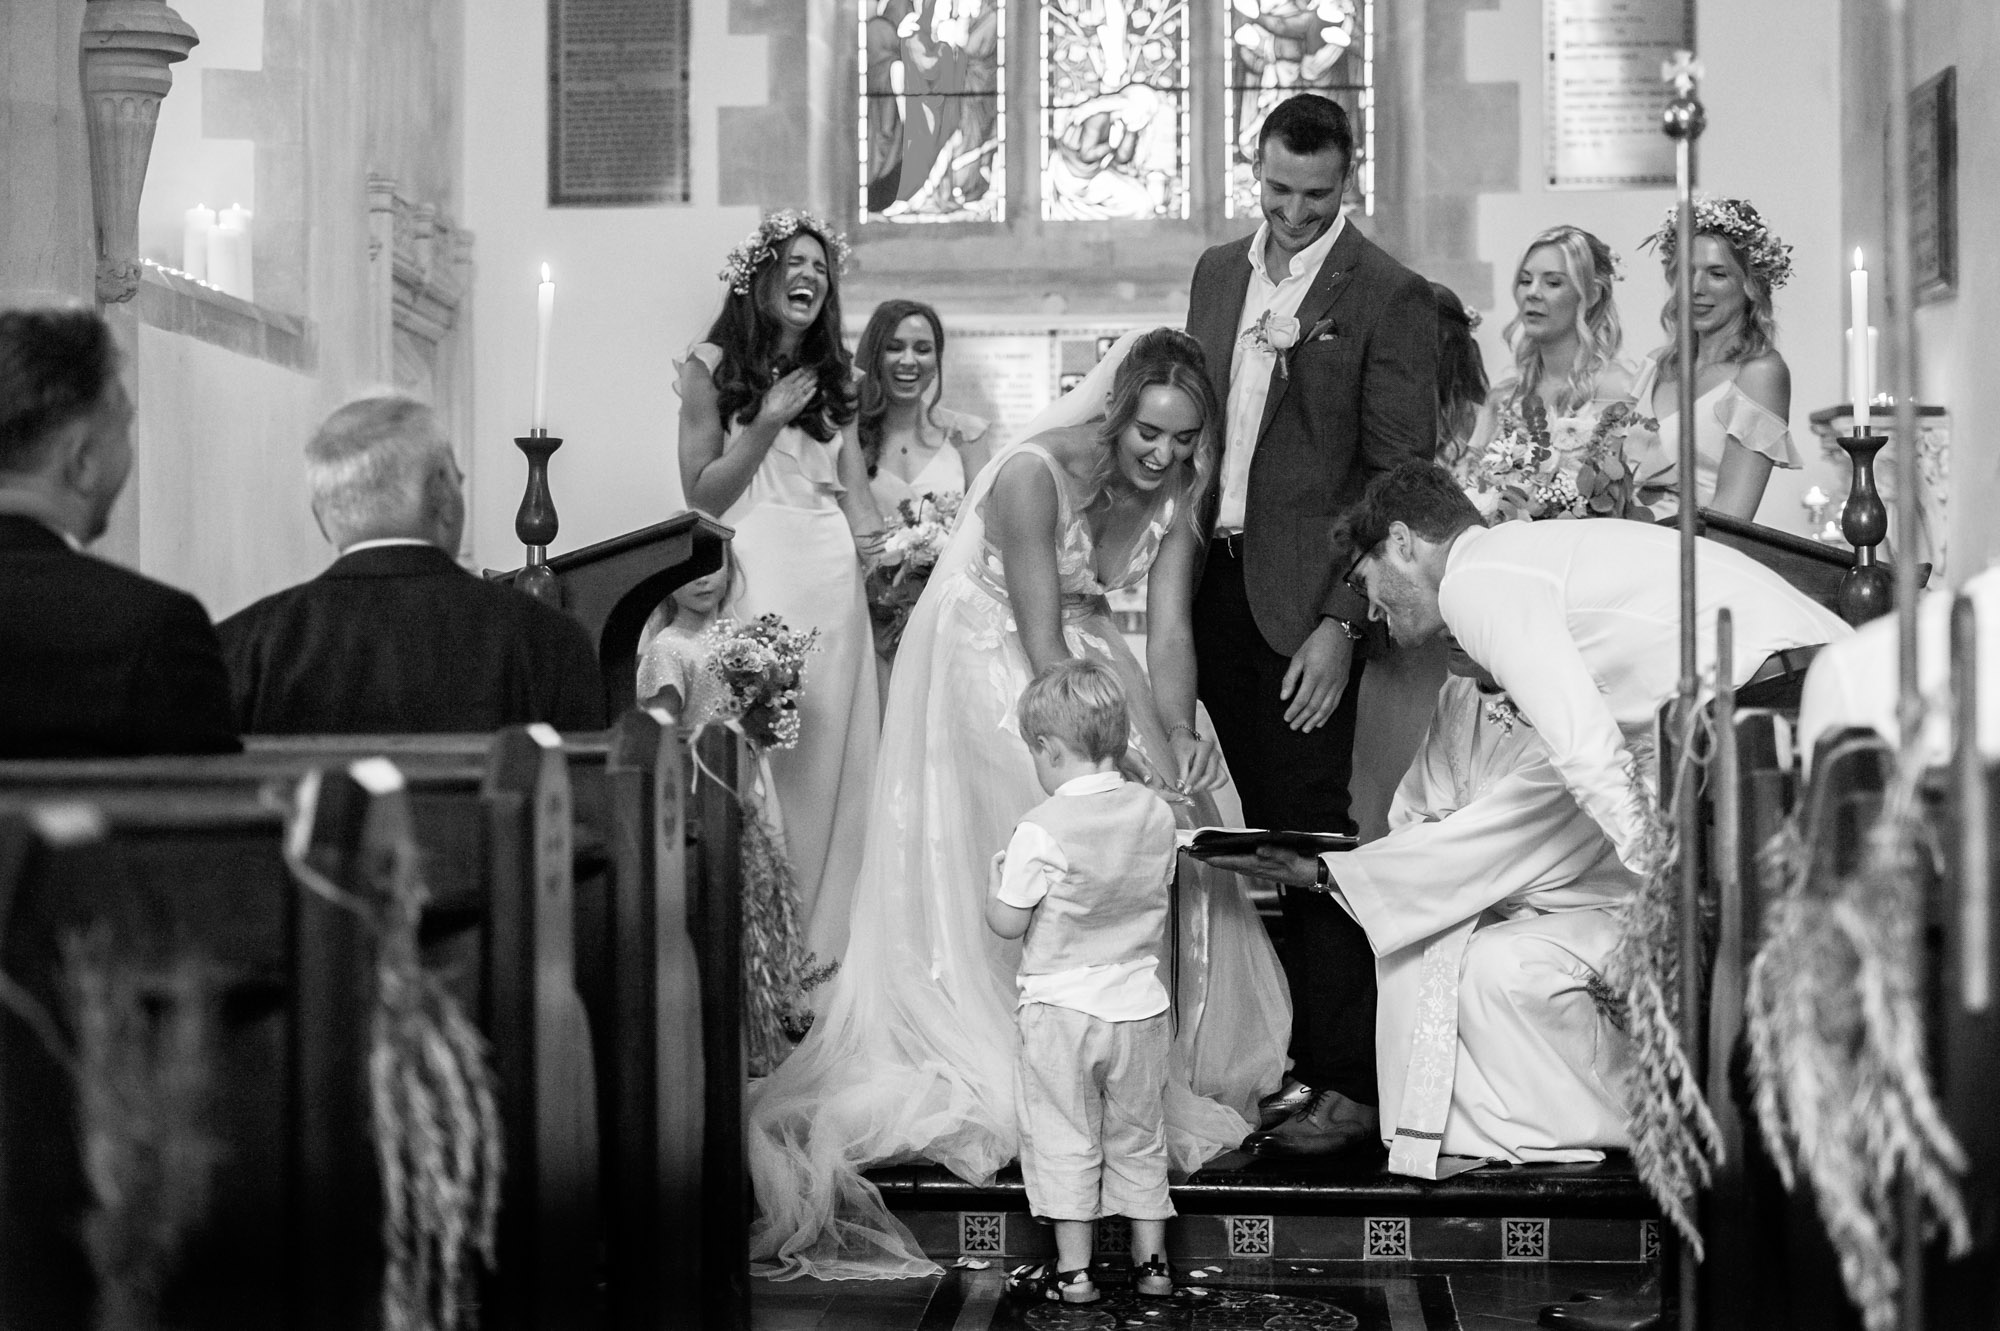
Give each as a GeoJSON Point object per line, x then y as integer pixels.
{"type": "Point", "coordinates": [1324, 351]}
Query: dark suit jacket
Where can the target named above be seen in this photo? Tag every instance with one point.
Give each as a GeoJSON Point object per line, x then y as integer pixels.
{"type": "Point", "coordinates": [1360, 398]}
{"type": "Point", "coordinates": [400, 639]}
{"type": "Point", "coordinates": [96, 660]}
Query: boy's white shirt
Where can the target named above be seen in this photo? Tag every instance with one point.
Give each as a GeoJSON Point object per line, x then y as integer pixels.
{"type": "Point", "coordinates": [1031, 864]}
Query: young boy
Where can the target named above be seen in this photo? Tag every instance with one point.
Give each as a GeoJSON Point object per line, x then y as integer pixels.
{"type": "Point", "coordinates": [1087, 877]}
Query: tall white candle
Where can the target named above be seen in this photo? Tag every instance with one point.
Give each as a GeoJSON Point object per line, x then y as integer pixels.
{"type": "Point", "coordinates": [545, 311]}
{"type": "Point", "coordinates": [1860, 385]}
{"type": "Point", "coordinates": [200, 221]}
{"type": "Point", "coordinates": [224, 252]}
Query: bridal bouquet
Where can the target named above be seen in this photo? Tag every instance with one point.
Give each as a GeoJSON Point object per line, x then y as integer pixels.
{"type": "Point", "coordinates": [909, 553]}
{"type": "Point", "coordinates": [1535, 469]}
{"type": "Point", "coordinates": [762, 665]}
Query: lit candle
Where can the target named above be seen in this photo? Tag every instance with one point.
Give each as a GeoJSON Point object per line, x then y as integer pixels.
{"type": "Point", "coordinates": [194, 241]}
{"type": "Point", "coordinates": [545, 312]}
{"type": "Point", "coordinates": [1860, 388]}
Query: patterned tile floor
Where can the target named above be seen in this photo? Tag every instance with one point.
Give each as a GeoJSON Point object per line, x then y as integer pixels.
{"type": "Point", "coordinates": [1482, 1296]}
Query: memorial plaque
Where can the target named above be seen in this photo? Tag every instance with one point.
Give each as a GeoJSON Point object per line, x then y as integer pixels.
{"type": "Point", "coordinates": [1602, 90]}
{"type": "Point", "coordinates": [618, 102]}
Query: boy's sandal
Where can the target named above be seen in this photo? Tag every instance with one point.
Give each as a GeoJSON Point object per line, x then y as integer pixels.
{"type": "Point", "coordinates": [1154, 1279]}
{"type": "Point", "coordinates": [1045, 1282]}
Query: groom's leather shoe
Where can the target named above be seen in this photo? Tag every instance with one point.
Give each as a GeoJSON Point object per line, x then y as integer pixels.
{"type": "Point", "coordinates": [1282, 1103]}
{"type": "Point", "coordinates": [1328, 1124]}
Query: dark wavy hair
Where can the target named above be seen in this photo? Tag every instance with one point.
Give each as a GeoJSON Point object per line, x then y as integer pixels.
{"type": "Point", "coordinates": [882, 324]}
{"type": "Point", "coordinates": [1421, 495]}
{"type": "Point", "coordinates": [1166, 357]}
{"type": "Point", "coordinates": [55, 366]}
{"type": "Point", "coordinates": [1461, 376]}
{"type": "Point", "coordinates": [749, 336]}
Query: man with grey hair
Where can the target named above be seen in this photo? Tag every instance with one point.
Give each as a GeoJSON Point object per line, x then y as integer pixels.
{"type": "Point", "coordinates": [95, 660]}
{"type": "Point", "coordinates": [395, 636]}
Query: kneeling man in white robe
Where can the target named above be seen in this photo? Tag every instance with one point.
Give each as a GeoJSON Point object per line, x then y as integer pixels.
{"type": "Point", "coordinates": [1491, 906]}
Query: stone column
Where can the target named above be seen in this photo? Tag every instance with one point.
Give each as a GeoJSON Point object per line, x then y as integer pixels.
{"type": "Point", "coordinates": [127, 47]}
{"type": "Point", "coordinates": [45, 249]}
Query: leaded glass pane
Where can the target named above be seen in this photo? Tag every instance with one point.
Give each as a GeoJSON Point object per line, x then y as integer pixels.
{"type": "Point", "coordinates": [1275, 48]}
{"type": "Point", "coordinates": [933, 110]}
{"type": "Point", "coordinates": [1114, 109]}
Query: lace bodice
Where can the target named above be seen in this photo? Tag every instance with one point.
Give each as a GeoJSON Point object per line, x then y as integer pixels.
{"type": "Point", "coordinates": [1077, 569]}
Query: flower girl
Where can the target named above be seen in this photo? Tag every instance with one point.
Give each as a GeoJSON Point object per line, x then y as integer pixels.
{"type": "Point", "coordinates": [673, 657]}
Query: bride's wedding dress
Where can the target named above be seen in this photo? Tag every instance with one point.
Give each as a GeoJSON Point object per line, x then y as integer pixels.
{"type": "Point", "coordinates": [913, 1050]}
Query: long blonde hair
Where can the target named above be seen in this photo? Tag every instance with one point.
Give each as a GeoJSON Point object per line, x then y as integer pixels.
{"type": "Point", "coordinates": [1752, 335]}
{"type": "Point", "coordinates": [1591, 269]}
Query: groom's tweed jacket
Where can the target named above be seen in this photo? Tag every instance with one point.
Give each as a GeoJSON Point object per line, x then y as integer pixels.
{"type": "Point", "coordinates": [1360, 397]}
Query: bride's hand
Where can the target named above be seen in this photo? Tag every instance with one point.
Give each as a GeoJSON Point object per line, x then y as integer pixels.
{"type": "Point", "coordinates": [1199, 758]}
{"type": "Point", "coordinates": [870, 544]}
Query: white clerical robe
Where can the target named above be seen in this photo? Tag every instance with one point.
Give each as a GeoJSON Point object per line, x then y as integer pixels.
{"type": "Point", "coordinates": [1490, 905]}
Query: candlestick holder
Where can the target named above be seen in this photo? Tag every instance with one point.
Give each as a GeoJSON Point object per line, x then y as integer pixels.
{"type": "Point", "coordinates": [535, 522]}
{"type": "Point", "coordinates": [1867, 590]}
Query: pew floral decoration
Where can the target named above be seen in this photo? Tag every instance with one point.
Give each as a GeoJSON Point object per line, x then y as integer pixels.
{"type": "Point", "coordinates": [1836, 1030]}
{"type": "Point", "coordinates": [762, 667]}
{"type": "Point", "coordinates": [909, 554]}
{"type": "Point", "coordinates": [1537, 468]}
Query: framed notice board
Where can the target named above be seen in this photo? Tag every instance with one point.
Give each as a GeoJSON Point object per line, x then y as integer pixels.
{"type": "Point", "coordinates": [1602, 93]}
{"type": "Point", "coordinates": [618, 102]}
{"type": "Point", "coordinates": [1934, 185]}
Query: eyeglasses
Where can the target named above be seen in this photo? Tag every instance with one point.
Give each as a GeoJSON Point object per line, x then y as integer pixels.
{"type": "Point", "coordinates": [1359, 588]}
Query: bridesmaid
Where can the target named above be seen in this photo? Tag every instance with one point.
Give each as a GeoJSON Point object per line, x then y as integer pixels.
{"type": "Point", "coordinates": [767, 444]}
{"type": "Point", "coordinates": [1565, 338]}
{"type": "Point", "coordinates": [913, 445]}
{"type": "Point", "coordinates": [1743, 388]}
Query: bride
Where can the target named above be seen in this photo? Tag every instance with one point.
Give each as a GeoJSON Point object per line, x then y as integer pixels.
{"type": "Point", "coordinates": [912, 1053]}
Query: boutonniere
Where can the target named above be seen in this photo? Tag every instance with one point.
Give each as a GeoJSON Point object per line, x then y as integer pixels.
{"type": "Point", "coordinates": [1274, 334]}
{"type": "Point", "coordinates": [1501, 711]}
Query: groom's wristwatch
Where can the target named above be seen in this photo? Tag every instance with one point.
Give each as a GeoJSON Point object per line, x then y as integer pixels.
{"type": "Point", "coordinates": [1348, 628]}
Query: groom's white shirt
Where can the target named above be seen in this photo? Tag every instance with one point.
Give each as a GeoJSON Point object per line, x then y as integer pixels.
{"type": "Point", "coordinates": [1250, 365]}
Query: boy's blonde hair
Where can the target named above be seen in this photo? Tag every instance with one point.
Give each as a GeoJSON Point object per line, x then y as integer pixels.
{"type": "Point", "coordinates": [1080, 703]}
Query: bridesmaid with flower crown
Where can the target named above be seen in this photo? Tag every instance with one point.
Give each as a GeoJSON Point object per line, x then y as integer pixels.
{"type": "Point", "coordinates": [767, 444]}
{"type": "Point", "coordinates": [1743, 388]}
{"type": "Point", "coordinates": [1535, 435]}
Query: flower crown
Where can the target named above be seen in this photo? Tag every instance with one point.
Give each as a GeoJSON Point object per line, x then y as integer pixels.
{"type": "Point", "coordinates": [1738, 222]}
{"type": "Point", "coordinates": [762, 245]}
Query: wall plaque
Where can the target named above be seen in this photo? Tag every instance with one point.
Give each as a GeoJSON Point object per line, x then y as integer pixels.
{"type": "Point", "coordinates": [618, 102]}
{"type": "Point", "coordinates": [1602, 94]}
{"type": "Point", "coordinates": [1934, 185]}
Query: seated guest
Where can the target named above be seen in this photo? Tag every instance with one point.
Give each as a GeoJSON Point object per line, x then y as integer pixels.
{"type": "Point", "coordinates": [395, 636]}
{"type": "Point", "coordinates": [1491, 906]}
{"type": "Point", "coordinates": [95, 659]}
{"type": "Point", "coordinates": [1578, 622]}
{"type": "Point", "coordinates": [1854, 682]}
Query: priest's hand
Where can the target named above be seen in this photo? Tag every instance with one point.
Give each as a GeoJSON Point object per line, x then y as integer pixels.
{"type": "Point", "coordinates": [1317, 676]}
{"type": "Point", "coordinates": [1275, 863]}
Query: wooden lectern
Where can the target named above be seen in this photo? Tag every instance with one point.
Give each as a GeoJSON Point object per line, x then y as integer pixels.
{"type": "Point", "coordinates": [614, 585]}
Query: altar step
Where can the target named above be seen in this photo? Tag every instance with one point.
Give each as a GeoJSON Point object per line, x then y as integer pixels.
{"type": "Point", "coordinates": [1346, 1208]}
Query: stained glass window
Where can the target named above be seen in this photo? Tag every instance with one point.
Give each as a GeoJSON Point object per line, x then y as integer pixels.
{"type": "Point", "coordinates": [1275, 48]}
{"type": "Point", "coordinates": [1115, 116]}
{"type": "Point", "coordinates": [933, 110]}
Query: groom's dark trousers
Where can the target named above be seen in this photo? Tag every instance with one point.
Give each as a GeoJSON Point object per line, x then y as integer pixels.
{"type": "Point", "coordinates": [1358, 395]}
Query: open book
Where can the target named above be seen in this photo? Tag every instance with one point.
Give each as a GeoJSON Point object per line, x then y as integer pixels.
{"type": "Point", "coordinates": [1203, 842]}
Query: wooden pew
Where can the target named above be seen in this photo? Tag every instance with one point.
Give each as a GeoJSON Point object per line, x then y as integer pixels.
{"type": "Point", "coordinates": [187, 895]}
{"type": "Point", "coordinates": [495, 837]}
{"type": "Point", "coordinates": [673, 1189]}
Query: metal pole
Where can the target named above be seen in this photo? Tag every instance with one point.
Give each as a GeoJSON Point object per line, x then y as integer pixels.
{"type": "Point", "coordinates": [1902, 301]}
{"type": "Point", "coordinates": [1683, 122]}
{"type": "Point", "coordinates": [1968, 793]}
